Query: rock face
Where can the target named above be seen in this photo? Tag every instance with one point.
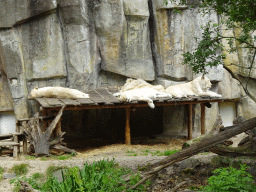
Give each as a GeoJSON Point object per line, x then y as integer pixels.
{"type": "Point", "coordinates": [85, 44]}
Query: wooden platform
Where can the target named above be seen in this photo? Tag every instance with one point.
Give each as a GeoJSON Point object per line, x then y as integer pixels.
{"type": "Point", "coordinates": [103, 98]}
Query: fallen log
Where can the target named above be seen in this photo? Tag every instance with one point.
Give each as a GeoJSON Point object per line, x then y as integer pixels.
{"type": "Point", "coordinates": [246, 147]}
{"type": "Point", "coordinates": [203, 144]}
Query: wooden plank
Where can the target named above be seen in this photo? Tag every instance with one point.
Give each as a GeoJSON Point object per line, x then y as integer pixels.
{"type": "Point", "coordinates": [127, 126]}
{"type": "Point", "coordinates": [113, 89]}
{"type": "Point", "coordinates": [162, 99]}
{"type": "Point", "coordinates": [69, 102]}
{"type": "Point", "coordinates": [107, 95]}
{"type": "Point", "coordinates": [190, 121]}
{"type": "Point", "coordinates": [53, 102]}
{"type": "Point", "coordinates": [42, 102]}
{"type": "Point", "coordinates": [96, 97]}
{"type": "Point", "coordinates": [85, 101]}
{"type": "Point", "coordinates": [202, 118]}
{"type": "Point", "coordinates": [9, 144]}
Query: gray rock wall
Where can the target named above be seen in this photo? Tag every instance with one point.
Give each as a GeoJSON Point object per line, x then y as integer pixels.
{"type": "Point", "coordinates": [85, 44]}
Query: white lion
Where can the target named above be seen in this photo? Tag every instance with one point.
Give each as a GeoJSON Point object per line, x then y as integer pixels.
{"type": "Point", "coordinates": [139, 83]}
{"type": "Point", "coordinates": [198, 87]}
{"type": "Point", "coordinates": [143, 94]}
{"type": "Point", "coordinates": [58, 92]}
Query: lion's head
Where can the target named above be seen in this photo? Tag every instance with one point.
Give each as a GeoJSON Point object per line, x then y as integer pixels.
{"type": "Point", "coordinates": [205, 83]}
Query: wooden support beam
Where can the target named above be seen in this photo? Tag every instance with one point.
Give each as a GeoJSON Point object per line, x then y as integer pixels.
{"type": "Point", "coordinates": [202, 118]}
{"type": "Point", "coordinates": [127, 126]}
{"type": "Point", "coordinates": [15, 147]}
{"type": "Point", "coordinates": [190, 120]}
{"type": "Point", "coordinates": [25, 142]}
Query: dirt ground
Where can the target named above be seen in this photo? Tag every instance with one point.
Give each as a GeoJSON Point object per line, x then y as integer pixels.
{"type": "Point", "coordinates": [143, 152]}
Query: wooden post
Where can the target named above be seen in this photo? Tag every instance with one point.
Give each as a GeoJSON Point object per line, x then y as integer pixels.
{"type": "Point", "coordinates": [127, 127]}
{"type": "Point", "coordinates": [15, 147]}
{"type": "Point", "coordinates": [25, 142]}
{"type": "Point", "coordinates": [16, 139]}
{"type": "Point", "coordinates": [190, 121]}
{"type": "Point", "coordinates": [202, 119]}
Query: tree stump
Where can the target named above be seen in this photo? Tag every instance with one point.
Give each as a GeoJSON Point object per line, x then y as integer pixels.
{"type": "Point", "coordinates": [41, 140]}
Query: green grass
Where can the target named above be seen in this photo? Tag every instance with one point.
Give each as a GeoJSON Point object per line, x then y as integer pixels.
{"type": "Point", "coordinates": [20, 169]}
{"type": "Point", "coordinates": [1, 170]}
{"type": "Point", "coordinates": [38, 176]}
{"type": "Point", "coordinates": [170, 152]}
{"type": "Point", "coordinates": [60, 157]}
{"type": "Point", "coordinates": [159, 153]}
{"type": "Point", "coordinates": [1, 173]}
{"type": "Point", "coordinates": [131, 153]}
{"type": "Point", "coordinates": [30, 157]}
{"type": "Point", "coordinates": [101, 176]}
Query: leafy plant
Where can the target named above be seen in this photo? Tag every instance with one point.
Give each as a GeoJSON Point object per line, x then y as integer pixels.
{"type": "Point", "coordinates": [231, 179]}
{"type": "Point", "coordinates": [20, 169]}
{"type": "Point", "coordinates": [102, 176]}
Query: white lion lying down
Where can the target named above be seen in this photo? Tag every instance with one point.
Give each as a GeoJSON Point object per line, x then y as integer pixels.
{"type": "Point", "coordinates": [140, 90]}
{"type": "Point", "coordinates": [139, 83]}
{"type": "Point", "coordinates": [198, 87]}
{"type": "Point", "coordinates": [142, 94]}
{"type": "Point", "coordinates": [58, 92]}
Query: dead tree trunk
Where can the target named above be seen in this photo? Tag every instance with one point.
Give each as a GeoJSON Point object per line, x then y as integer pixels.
{"type": "Point", "coordinates": [41, 140]}
{"type": "Point", "coordinates": [203, 144]}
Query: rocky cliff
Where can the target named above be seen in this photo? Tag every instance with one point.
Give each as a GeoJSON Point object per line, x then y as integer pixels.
{"type": "Point", "coordinates": [85, 44]}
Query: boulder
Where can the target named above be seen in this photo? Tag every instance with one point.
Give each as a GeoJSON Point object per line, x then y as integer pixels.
{"type": "Point", "coordinates": [42, 48]}
{"type": "Point", "coordinates": [246, 108]}
{"type": "Point", "coordinates": [174, 36]}
{"type": "Point", "coordinates": [14, 63]}
{"type": "Point", "coordinates": [81, 48]}
{"type": "Point", "coordinates": [18, 11]}
{"type": "Point", "coordinates": [229, 87]}
{"type": "Point", "coordinates": [138, 62]}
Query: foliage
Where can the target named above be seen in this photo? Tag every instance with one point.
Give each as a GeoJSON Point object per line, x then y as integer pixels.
{"type": "Point", "coordinates": [231, 179]}
{"type": "Point", "coordinates": [100, 176]}
{"type": "Point", "coordinates": [20, 169]}
{"type": "Point", "coordinates": [206, 53]}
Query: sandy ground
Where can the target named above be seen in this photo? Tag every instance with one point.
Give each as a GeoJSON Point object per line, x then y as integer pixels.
{"type": "Point", "coordinates": [117, 151]}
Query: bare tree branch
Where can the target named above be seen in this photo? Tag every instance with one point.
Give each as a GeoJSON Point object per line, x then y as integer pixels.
{"type": "Point", "coordinates": [53, 124]}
